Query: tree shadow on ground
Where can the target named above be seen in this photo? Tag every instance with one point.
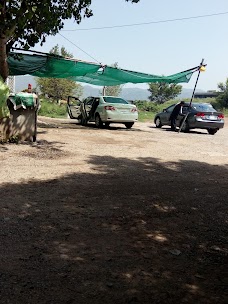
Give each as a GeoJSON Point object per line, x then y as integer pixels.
{"type": "Point", "coordinates": [45, 123]}
{"type": "Point", "coordinates": [3, 147]}
{"type": "Point", "coordinates": [133, 231]}
{"type": "Point", "coordinates": [192, 131]}
{"type": "Point", "coordinates": [114, 127]}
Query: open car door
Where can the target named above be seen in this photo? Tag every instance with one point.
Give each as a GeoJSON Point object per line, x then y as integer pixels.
{"type": "Point", "coordinates": [74, 107]}
{"type": "Point", "coordinates": [180, 117]}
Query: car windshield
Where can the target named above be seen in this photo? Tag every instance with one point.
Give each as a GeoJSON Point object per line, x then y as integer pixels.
{"type": "Point", "coordinates": [203, 107]}
{"type": "Point", "coordinates": [115, 100]}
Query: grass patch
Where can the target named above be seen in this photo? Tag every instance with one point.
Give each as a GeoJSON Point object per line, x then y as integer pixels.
{"type": "Point", "coordinates": [225, 112]}
{"type": "Point", "coordinates": [145, 116]}
{"type": "Point", "coordinates": [51, 109]}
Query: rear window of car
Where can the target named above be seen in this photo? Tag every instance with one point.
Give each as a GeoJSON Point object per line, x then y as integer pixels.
{"type": "Point", "coordinates": [115, 100]}
{"type": "Point", "coordinates": [203, 107]}
{"type": "Point", "coordinates": [170, 109]}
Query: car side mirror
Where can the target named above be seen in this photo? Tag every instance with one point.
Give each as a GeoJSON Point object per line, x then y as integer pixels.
{"type": "Point", "coordinates": [164, 110]}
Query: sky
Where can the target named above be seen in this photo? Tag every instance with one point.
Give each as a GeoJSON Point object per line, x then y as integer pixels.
{"type": "Point", "coordinates": [161, 48]}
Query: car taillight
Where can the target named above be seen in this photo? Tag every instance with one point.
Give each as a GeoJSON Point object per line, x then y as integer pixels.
{"type": "Point", "coordinates": [109, 108]}
{"type": "Point", "coordinates": [199, 114]}
{"type": "Point", "coordinates": [221, 116]}
{"type": "Point", "coordinates": [134, 110]}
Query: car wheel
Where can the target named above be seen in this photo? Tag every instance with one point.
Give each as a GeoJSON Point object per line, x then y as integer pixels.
{"type": "Point", "coordinates": [83, 121]}
{"type": "Point", "coordinates": [98, 121]}
{"type": "Point", "coordinates": [158, 123]}
{"type": "Point", "coordinates": [185, 127]}
{"type": "Point", "coordinates": [80, 119]}
{"type": "Point", "coordinates": [128, 125]}
{"type": "Point", "coordinates": [212, 131]}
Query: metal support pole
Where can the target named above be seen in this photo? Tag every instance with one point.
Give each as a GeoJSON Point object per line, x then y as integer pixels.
{"type": "Point", "coordinates": [193, 94]}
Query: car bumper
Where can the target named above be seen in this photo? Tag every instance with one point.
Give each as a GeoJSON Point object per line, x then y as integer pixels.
{"type": "Point", "coordinates": [207, 124]}
{"type": "Point", "coordinates": [112, 117]}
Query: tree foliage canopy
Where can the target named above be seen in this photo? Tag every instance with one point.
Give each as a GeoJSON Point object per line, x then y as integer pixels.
{"type": "Point", "coordinates": [59, 88]}
{"type": "Point", "coordinates": [113, 90]}
{"type": "Point", "coordinates": [223, 96]}
{"type": "Point", "coordinates": [162, 92]}
{"type": "Point", "coordinates": [26, 22]}
{"type": "Point", "coordinates": [23, 23]}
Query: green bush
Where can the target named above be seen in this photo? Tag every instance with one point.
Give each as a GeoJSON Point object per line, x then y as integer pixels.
{"type": "Point", "coordinates": [147, 106]}
{"type": "Point", "coordinates": [51, 109]}
{"type": "Point", "coordinates": [146, 116]}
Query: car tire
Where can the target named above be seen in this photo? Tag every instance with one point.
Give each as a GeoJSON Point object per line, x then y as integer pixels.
{"type": "Point", "coordinates": [185, 127]}
{"type": "Point", "coordinates": [80, 119]}
{"type": "Point", "coordinates": [83, 121]}
{"type": "Point", "coordinates": [158, 123]}
{"type": "Point", "coordinates": [212, 131]}
{"type": "Point", "coordinates": [98, 121]}
{"type": "Point", "coordinates": [128, 125]}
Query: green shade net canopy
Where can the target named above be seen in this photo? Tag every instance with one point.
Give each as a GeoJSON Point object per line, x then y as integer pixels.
{"type": "Point", "coordinates": [47, 65]}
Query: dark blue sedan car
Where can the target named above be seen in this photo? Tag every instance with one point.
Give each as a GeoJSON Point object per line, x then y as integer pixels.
{"type": "Point", "coordinates": [199, 116]}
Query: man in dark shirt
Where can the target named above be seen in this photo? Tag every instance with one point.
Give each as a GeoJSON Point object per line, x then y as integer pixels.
{"type": "Point", "coordinates": [176, 111]}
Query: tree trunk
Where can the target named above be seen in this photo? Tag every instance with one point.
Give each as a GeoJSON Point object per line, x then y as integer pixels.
{"type": "Point", "coordinates": [4, 70]}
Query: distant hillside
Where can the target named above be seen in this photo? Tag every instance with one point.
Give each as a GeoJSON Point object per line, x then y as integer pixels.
{"type": "Point", "coordinates": [133, 93]}
{"type": "Point", "coordinates": [187, 93]}
{"type": "Point", "coordinates": [91, 91]}
{"type": "Point", "coordinates": [127, 93]}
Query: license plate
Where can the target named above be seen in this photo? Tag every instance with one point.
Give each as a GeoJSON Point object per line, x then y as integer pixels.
{"type": "Point", "coordinates": [212, 117]}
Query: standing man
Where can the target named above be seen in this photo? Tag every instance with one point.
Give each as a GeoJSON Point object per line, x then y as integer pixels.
{"type": "Point", "coordinates": [176, 111]}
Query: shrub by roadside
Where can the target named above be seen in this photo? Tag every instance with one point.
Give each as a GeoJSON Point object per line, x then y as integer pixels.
{"type": "Point", "coordinates": [51, 109]}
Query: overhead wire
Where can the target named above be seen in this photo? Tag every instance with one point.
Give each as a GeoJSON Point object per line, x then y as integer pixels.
{"type": "Point", "coordinates": [147, 23]}
{"type": "Point", "coordinates": [80, 48]}
{"type": "Point", "coordinates": [135, 24]}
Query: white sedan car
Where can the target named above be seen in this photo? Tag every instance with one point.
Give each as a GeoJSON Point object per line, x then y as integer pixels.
{"type": "Point", "coordinates": [103, 110]}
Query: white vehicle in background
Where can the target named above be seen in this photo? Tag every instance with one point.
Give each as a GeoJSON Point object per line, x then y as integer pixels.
{"type": "Point", "coordinates": [103, 110]}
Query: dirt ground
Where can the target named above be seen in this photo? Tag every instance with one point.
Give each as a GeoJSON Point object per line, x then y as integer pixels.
{"type": "Point", "coordinates": [114, 216]}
